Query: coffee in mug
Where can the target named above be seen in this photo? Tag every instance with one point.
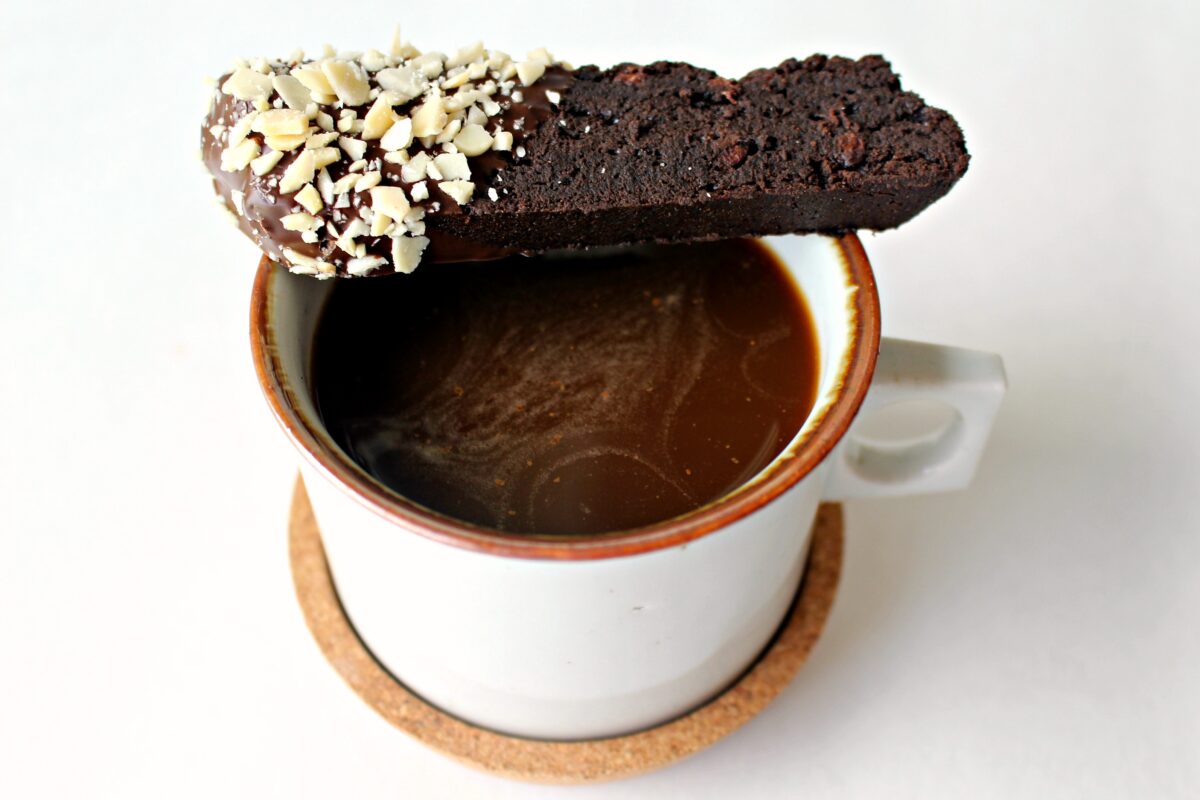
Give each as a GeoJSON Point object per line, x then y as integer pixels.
{"type": "Point", "coordinates": [570, 395]}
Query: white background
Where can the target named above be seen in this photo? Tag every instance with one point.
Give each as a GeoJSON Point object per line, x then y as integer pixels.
{"type": "Point", "coordinates": [1036, 636]}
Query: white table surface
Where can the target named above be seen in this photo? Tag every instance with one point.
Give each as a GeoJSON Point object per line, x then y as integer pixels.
{"type": "Point", "coordinates": [1036, 636]}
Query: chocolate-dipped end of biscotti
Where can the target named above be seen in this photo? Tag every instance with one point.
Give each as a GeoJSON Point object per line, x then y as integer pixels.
{"type": "Point", "coordinates": [366, 164]}
{"type": "Point", "coordinates": [333, 166]}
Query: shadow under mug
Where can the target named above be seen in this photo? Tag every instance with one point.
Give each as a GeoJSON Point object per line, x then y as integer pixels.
{"type": "Point", "coordinates": [596, 636]}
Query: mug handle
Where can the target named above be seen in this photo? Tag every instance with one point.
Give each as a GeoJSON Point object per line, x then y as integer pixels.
{"type": "Point", "coordinates": [964, 386]}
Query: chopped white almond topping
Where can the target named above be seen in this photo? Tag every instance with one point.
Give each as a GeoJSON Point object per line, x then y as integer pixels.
{"type": "Point", "coordinates": [540, 54]}
{"type": "Point", "coordinates": [293, 92]}
{"type": "Point", "coordinates": [405, 82]}
{"type": "Point", "coordinates": [285, 143]}
{"type": "Point", "coordinates": [324, 156]}
{"type": "Point", "coordinates": [475, 116]}
{"type": "Point", "coordinates": [266, 162]}
{"type": "Point", "coordinates": [238, 157]}
{"type": "Point", "coordinates": [503, 140]}
{"type": "Point", "coordinates": [554, 97]}
{"type": "Point", "coordinates": [247, 84]}
{"type": "Point", "coordinates": [396, 48]}
{"type": "Point", "coordinates": [428, 64]}
{"type": "Point", "coordinates": [316, 140]}
{"type": "Point", "coordinates": [476, 71]}
{"type": "Point", "coordinates": [397, 157]}
{"type": "Point", "coordinates": [309, 237]}
{"type": "Point", "coordinates": [324, 121]}
{"type": "Point", "coordinates": [449, 132]}
{"type": "Point", "coordinates": [310, 199]}
{"type": "Point", "coordinates": [368, 180]}
{"type": "Point", "coordinates": [399, 136]}
{"type": "Point", "coordinates": [490, 107]}
{"type": "Point", "coordinates": [497, 59]}
{"type": "Point", "coordinates": [359, 166]}
{"type": "Point", "coordinates": [216, 130]}
{"type": "Point", "coordinates": [281, 121]}
{"type": "Point", "coordinates": [433, 172]}
{"type": "Point", "coordinates": [239, 201]}
{"type": "Point", "coordinates": [325, 186]}
{"type": "Point", "coordinates": [389, 200]}
{"type": "Point", "coordinates": [346, 244]}
{"type": "Point", "coordinates": [346, 183]}
{"type": "Point", "coordinates": [473, 140]}
{"type": "Point", "coordinates": [380, 223]}
{"type": "Point", "coordinates": [355, 148]}
{"type": "Point", "coordinates": [314, 80]}
{"type": "Point", "coordinates": [453, 166]}
{"type": "Point", "coordinates": [472, 52]}
{"type": "Point", "coordinates": [508, 71]}
{"type": "Point", "coordinates": [406, 252]}
{"type": "Point", "coordinates": [461, 99]}
{"type": "Point", "coordinates": [460, 190]}
{"type": "Point", "coordinates": [420, 191]}
{"type": "Point", "coordinates": [493, 195]}
{"type": "Point", "coordinates": [299, 258]}
{"type": "Point", "coordinates": [298, 222]}
{"type": "Point", "coordinates": [361, 266]}
{"type": "Point", "coordinates": [459, 78]}
{"type": "Point", "coordinates": [298, 173]}
{"type": "Point", "coordinates": [241, 129]}
{"type": "Point", "coordinates": [348, 80]}
{"type": "Point", "coordinates": [373, 61]}
{"type": "Point", "coordinates": [380, 117]}
{"type": "Point", "coordinates": [429, 118]}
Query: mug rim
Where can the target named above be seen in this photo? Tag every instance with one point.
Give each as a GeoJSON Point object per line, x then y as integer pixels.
{"type": "Point", "coordinates": [829, 428]}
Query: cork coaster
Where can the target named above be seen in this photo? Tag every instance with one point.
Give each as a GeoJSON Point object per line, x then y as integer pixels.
{"type": "Point", "coordinates": [563, 762]}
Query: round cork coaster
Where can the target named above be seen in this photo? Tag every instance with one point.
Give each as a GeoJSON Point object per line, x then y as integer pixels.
{"type": "Point", "coordinates": [563, 762]}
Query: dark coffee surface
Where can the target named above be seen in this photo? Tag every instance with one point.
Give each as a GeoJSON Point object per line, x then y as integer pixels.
{"type": "Point", "coordinates": [569, 395]}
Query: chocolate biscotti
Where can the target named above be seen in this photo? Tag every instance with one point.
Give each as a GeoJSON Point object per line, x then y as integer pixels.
{"type": "Point", "coordinates": [368, 163]}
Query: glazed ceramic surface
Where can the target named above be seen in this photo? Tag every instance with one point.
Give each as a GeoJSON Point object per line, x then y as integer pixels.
{"type": "Point", "coordinates": [598, 636]}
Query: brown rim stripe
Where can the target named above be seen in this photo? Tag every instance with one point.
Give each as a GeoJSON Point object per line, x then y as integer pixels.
{"type": "Point", "coordinates": [864, 349]}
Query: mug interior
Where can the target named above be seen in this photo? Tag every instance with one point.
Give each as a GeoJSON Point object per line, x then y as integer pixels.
{"type": "Point", "coordinates": [832, 274]}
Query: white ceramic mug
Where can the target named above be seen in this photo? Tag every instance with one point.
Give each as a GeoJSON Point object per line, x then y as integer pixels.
{"type": "Point", "coordinates": [588, 637]}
